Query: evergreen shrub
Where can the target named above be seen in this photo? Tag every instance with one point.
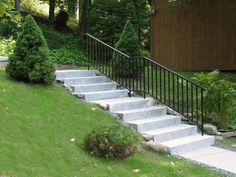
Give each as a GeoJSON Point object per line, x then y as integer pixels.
{"type": "Point", "coordinates": [30, 60]}
{"type": "Point", "coordinates": [113, 142]}
{"type": "Point", "coordinates": [128, 44]}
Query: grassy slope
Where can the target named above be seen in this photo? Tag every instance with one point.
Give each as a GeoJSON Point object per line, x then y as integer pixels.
{"type": "Point", "coordinates": [37, 123]}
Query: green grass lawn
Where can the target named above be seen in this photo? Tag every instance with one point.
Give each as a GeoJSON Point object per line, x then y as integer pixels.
{"type": "Point", "coordinates": [36, 126]}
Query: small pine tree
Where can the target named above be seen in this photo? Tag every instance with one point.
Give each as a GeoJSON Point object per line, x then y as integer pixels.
{"type": "Point", "coordinates": [30, 60]}
{"type": "Point", "coordinates": [128, 44]}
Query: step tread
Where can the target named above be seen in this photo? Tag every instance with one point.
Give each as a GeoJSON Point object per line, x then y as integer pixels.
{"type": "Point", "coordinates": [168, 129]}
{"type": "Point", "coordinates": [120, 100]}
{"type": "Point", "coordinates": [86, 77]}
{"type": "Point", "coordinates": [103, 92]}
{"type": "Point", "coordinates": [185, 140]}
{"type": "Point", "coordinates": [140, 109]}
{"type": "Point", "coordinates": [152, 119]}
{"type": "Point", "coordinates": [74, 70]}
{"type": "Point", "coordinates": [95, 84]}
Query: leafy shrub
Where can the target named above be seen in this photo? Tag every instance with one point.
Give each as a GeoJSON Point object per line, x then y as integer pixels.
{"type": "Point", "coordinates": [61, 20]}
{"type": "Point", "coordinates": [128, 44]}
{"type": "Point", "coordinates": [30, 60]}
{"type": "Point", "coordinates": [115, 142]}
{"type": "Point", "coordinates": [207, 79]}
{"type": "Point", "coordinates": [219, 99]}
{"type": "Point", "coordinates": [35, 7]}
{"type": "Point", "coordinates": [67, 56]}
{"type": "Point", "coordinates": [6, 46]}
{"type": "Point", "coordinates": [10, 25]}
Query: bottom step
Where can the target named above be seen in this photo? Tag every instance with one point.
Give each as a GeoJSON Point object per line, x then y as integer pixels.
{"type": "Point", "coordinates": [189, 143]}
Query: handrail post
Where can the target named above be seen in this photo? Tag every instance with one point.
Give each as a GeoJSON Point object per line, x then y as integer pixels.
{"type": "Point", "coordinates": [88, 51]}
{"type": "Point", "coordinates": [144, 78]}
{"type": "Point", "coordinates": [202, 111]}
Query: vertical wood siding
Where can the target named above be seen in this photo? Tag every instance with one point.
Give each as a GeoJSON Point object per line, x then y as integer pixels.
{"type": "Point", "coordinates": [200, 36]}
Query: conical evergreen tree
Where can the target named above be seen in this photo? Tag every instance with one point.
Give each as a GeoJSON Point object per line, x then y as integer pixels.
{"type": "Point", "coordinates": [30, 60]}
{"type": "Point", "coordinates": [128, 44]}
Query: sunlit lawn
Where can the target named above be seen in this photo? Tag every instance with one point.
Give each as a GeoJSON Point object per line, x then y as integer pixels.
{"type": "Point", "coordinates": [37, 124]}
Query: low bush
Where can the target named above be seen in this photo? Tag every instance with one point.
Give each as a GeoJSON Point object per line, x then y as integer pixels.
{"type": "Point", "coordinates": [113, 142]}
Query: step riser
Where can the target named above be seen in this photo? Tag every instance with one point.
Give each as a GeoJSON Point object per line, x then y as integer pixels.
{"type": "Point", "coordinates": [102, 96]}
{"type": "Point", "coordinates": [191, 146]}
{"type": "Point", "coordinates": [84, 89]}
{"type": "Point", "coordinates": [72, 74]}
{"type": "Point", "coordinates": [143, 114]}
{"type": "Point", "coordinates": [85, 81]}
{"type": "Point", "coordinates": [155, 125]}
{"type": "Point", "coordinates": [175, 134]}
{"type": "Point", "coordinates": [130, 105]}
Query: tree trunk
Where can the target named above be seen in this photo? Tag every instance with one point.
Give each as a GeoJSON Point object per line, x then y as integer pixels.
{"type": "Point", "coordinates": [77, 10]}
{"type": "Point", "coordinates": [83, 19]}
{"type": "Point", "coordinates": [17, 5]}
{"type": "Point", "coordinates": [51, 10]}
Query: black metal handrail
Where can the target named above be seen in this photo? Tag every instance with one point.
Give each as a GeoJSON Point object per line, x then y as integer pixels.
{"type": "Point", "coordinates": [148, 77]}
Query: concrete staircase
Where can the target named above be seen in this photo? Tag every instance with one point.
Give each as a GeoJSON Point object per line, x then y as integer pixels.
{"type": "Point", "coordinates": [139, 113]}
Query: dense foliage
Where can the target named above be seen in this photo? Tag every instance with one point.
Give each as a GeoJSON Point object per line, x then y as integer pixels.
{"type": "Point", "coordinates": [128, 44]}
{"type": "Point", "coordinates": [64, 48]}
{"type": "Point", "coordinates": [30, 60]}
{"type": "Point", "coordinates": [107, 18]}
{"type": "Point", "coordinates": [220, 99]}
{"type": "Point", "coordinates": [115, 142]}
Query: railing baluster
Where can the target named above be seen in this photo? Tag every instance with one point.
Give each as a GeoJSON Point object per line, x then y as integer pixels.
{"type": "Point", "coordinates": [152, 68]}
{"type": "Point", "coordinates": [160, 84]}
{"type": "Point", "coordinates": [144, 78]}
{"type": "Point", "coordinates": [202, 112]}
{"type": "Point", "coordinates": [168, 88]}
{"type": "Point", "coordinates": [192, 101]}
{"type": "Point", "coordinates": [173, 86]}
{"type": "Point", "coordinates": [148, 78]}
{"type": "Point", "coordinates": [178, 93]}
{"type": "Point", "coordinates": [187, 99]}
{"type": "Point", "coordinates": [182, 89]}
{"type": "Point", "coordinates": [164, 86]}
{"type": "Point", "coordinates": [197, 105]}
{"type": "Point", "coordinates": [156, 83]}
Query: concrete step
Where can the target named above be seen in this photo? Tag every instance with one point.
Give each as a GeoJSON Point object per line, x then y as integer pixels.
{"type": "Point", "coordinates": [172, 132]}
{"type": "Point", "coordinates": [144, 125]}
{"type": "Point", "coordinates": [125, 103]}
{"type": "Point", "coordinates": [83, 88]}
{"type": "Point", "coordinates": [84, 80]}
{"type": "Point", "coordinates": [188, 143]}
{"type": "Point", "coordinates": [141, 113]}
{"type": "Point", "coordinates": [101, 95]}
{"type": "Point", "coordinates": [60, 74]}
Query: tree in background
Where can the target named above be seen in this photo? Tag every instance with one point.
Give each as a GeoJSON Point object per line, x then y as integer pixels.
{"type": "Point", "coordinates": [30, 60]}
{"type": "Point", "coordinates": [128, 44]}
{"type": "Point", "coordinates": [107, 18]}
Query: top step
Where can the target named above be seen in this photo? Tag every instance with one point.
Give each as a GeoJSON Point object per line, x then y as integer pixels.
{"type": "Point", "coordinates": [74, 73]}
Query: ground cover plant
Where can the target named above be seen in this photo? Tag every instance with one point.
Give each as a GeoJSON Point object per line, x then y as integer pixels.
{"type": "Point", "coordinates": [42, 129]}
